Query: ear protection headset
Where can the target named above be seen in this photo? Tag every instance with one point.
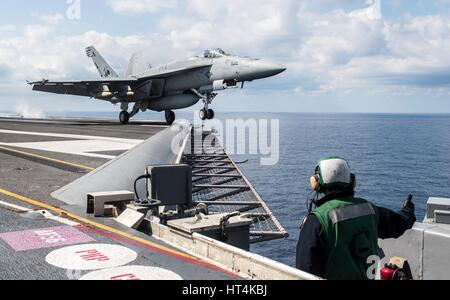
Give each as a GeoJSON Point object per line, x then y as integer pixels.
{"type": "Point", "coordinates": [315, 181]}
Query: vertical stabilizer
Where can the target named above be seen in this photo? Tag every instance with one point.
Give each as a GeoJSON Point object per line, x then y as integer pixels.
{"type": "Point", "coordinates": [137, 64]}
{"type": "Point", "coordinates": [105, 70]}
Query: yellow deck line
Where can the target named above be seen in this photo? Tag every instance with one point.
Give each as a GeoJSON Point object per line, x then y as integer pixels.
{"type": "Point", "coordinates": [94, 224]}
{"type": "Point", "coordinates": [47, 158]}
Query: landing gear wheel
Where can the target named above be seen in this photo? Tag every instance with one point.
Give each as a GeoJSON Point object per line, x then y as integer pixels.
{"type": "Point", "coordinates": [124, 117]}
{"type": "Point", "coordinates": [170, 117]}
{"type": "Point", "coordinates": [210, 114]}
{"type": "Point", "coordinates": [203, 114]}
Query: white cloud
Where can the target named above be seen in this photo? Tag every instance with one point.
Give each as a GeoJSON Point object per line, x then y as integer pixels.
{"type": "Point", "coordinates": [7, 28]}
{"type": "Point", "coordinates": [36, 52]}
{"type": "Point", "coordinates": [326, 49]}
{"type": "Point", "coordinates": [140, 6]}
{"type": "Point", "coordinates": [36, 31]}
{"type": "Point", "coordinates": [313, 42]}
{"type": "Point", "coordinates": [323, 47]}
{"type": "Point", "coordinates": [52, 19]}
{"type": "Point", "coordinates": [415, 55]}
{"type": "Point", "coordinates": [249, 27]}
{"type": "Point", "coordinates": [373, 12]}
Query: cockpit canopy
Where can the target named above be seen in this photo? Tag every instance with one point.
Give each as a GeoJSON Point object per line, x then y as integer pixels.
{"type": "Point", "coordinates": [215, 53]}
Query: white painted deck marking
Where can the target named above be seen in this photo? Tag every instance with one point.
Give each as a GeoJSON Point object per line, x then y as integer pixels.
{"type": "Point", "coordinates": [91, 257]}
{"type": "Point", "coordinates": [72, 136]}
{"type": "Point", "coordinates": [13, 206]}
{"type": "Point", "coordinates": [132, 273]}
{"type": "Point", "coordinates": [81, 147]}
{"type": "Point", "coordinates": [50, 216]}
{"type": "Point", "coordinates": [154, 126]}
{"type": "Point", "coordinates": [44, 213]}
{"type": "Point", "coordinates": [84, 145]}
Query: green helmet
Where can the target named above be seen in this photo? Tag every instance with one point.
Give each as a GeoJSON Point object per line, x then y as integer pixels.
{"type": "Point", "coordinates": [333, 173]}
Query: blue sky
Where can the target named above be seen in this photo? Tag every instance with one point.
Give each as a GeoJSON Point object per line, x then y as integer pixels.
{"type": "Point", "coordinates": [342, 56]}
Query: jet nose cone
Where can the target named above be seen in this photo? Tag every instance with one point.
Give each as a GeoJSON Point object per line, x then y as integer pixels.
{"type": "Point", "coordinates": [280, 69]}
{"type": "Point", "coordinates": [268, 69]}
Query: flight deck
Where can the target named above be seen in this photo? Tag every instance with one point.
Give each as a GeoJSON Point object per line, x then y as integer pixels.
{"type": "Point", "coordinates": [37, 157]}
{"type": "Point", "coordinates": [47, 169]}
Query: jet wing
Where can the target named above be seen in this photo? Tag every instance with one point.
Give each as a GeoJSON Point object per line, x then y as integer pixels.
{"type": "Point", "coordinates": [88, 88]}
{"type": "Point", "coordinates": [79, 88]}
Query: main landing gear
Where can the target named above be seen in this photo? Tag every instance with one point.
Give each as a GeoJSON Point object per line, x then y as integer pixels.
{"type": "Point", "coordinates": [125, 116]}
{"type": "Point", "coordinates": [206, 113]}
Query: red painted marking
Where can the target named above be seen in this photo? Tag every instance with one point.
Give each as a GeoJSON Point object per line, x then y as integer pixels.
{"type": "Point", "coordinates": [94, 254]}
{"type": "Point", "coordinates": [45, 238]}
{"type": "Point", "coordinates": [125, 277]}
{"type": "Point", "coordinates": [156, 250]}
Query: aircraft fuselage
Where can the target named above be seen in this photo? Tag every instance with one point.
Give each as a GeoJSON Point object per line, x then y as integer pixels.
{"type": "Point", "coordinates": [231, 69]}
{"type": "Point", "coordinates": [168, 87]}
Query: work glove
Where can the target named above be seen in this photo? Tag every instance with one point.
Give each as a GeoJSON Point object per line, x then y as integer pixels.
{"type": "Point", "coordinates": [409, 211]}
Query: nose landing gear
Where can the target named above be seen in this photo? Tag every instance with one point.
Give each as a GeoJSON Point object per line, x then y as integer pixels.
{"type": "Point", "coordinates": [206, 113]}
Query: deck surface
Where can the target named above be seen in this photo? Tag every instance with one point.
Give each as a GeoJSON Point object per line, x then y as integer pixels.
{"type": "Point", "coordinates": [37, 157]}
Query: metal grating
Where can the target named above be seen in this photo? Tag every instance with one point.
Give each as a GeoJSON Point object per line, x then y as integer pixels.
{"type": "Point", "coordinates": [219, 183]}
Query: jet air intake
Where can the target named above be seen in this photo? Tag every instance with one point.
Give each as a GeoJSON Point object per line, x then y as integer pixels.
{"type": "Point", "coordinates": [218, 85]}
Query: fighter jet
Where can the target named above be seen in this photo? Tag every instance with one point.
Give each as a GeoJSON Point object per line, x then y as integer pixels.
{"type": "Point", "coordinates": [168, 87]}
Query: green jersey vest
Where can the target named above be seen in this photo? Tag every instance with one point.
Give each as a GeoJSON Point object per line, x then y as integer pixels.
{"type": "Point", "coordinates": [350, 237]}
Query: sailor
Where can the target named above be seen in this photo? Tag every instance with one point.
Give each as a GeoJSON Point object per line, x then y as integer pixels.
{"type": "Point", "coordinates": [340, 236]}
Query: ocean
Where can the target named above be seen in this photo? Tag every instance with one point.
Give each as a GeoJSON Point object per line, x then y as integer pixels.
{"type": "Point", "coordinates": [392, 156]}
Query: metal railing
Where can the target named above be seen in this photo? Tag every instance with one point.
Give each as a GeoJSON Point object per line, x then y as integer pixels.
{"type": "Point", "coordinates": [219, 183]}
